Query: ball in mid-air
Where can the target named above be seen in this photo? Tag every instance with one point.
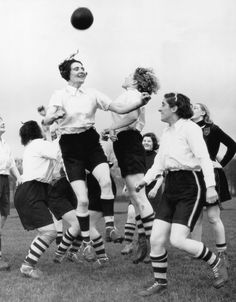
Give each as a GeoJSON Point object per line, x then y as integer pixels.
{"type": "Point", "coordinates": [82, 18]}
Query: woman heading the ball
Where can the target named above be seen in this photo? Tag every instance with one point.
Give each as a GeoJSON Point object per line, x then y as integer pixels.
{"type": "Point", "coordinates": [79, 140]}
{"type": "Point", "coordinates": [125, 131]}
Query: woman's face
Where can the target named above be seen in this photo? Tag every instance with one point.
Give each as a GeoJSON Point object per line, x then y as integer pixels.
{"type": "Point", "coordinates": [77, 73]}
{"type": "Point", "coordinates": [2, 126]}
{"type": "Point", "coordinates": [129, 81]}
{"type": "Point", "coordinates": [148, 143]}
{"type": "Point", "coordinates": [198, 113]}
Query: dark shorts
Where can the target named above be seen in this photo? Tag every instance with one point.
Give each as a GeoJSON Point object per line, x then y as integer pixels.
{"type": "Point", "coordinates": [81, 151]}
{"type": "Point", "coordinates": [4, 195]}
{"type": "Point", "coordinates": [222, 187]}
{"type": "Point", "coordinates": [183, 198]}
{"type": "Point", "coordinates": [31, 204]}
{"type": "Point", "coordinates": [130, 153]}
{"type": "Point", "coordinates": [61, 198]}
{"type": "Point", "coordinates": [94, 193]}
{"type": "Point", "coordinates": [154, 201]}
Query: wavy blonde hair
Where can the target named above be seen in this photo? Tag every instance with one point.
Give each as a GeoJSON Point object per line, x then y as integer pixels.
{"type": "Point", "coordinates": [207, 115]}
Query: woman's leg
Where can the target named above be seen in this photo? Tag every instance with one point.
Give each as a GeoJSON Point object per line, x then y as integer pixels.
{"type": "Point", "coordinates": [70, 235]}
{"type": "Point", "coordinates": [45, 237]}
{"type": "Point", "coordinates": [130, 227]}
{"type": "Point", "coordinates": [98, 243]}
{"type": "Point", "coordinates": [179, 239]}
{"type": "Point", "coordinates": [59, 229]}
{"type": "Point", "coordinates": [102, 174]}
{"type": "Point", "coordinates": [158, 255]}
{"type": "Point", "coordinates": [82, 213]}
{"type": "Point", "coordinates": [213, 213]}
{"type": "Point", "coordinates": [144, 208]}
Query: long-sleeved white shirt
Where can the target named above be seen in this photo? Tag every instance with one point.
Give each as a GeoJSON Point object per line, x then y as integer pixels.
{"type": "Point", "coordinates": [80, 106]}
{"type": "Point", "coordinates": [6, 158]}
{"type": "Point", "coordinates": [39, 160]}
{"type": "Point", "coordinates": [182, 147]}
{"type": "Point", "coordinates": [130, 96]}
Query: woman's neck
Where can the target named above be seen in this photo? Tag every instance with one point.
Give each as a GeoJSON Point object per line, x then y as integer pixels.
{"type": "Point", "coordinates": [75, 85]}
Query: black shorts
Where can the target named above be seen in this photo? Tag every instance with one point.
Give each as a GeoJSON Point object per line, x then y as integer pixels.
{"type": "Point", "coordinates": [61, 198]}
{"type": "Point", "coordinates": [154, 201]}
{"type": "Point", "coordinates": [183, 198]}
{"type": "Point", "coordinates": [4, 195]}
{"type": "Point", "coordinates": [130, 152]}
{"type": "Point", "coordinates": [31, 204]}
{"type": "Point", "coordinates": [222, 187]}
{"type": "Point", "coordinates": [81, 151]}
{"type": "Point", "coordinates": [94, 193]}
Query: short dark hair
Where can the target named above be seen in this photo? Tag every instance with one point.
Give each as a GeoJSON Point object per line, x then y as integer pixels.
{"type": "Point", "coordinates": [65, 68]}
{"type": "Point", "coordinates": [30, 130]}
{"type": "Point", "coordinates": [146, 80]}
{"type": "Point", "coordinates": [153, 138]}
{"type": "Point", "coordinates": [182, 102]}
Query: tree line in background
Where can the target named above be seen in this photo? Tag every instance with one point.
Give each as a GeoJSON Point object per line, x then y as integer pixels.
{"type": "Point", "coordinates": [230, 172]}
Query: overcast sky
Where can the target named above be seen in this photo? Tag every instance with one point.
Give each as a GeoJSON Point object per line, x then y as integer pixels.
{"type": "Point", "coordinates": [191, 45]}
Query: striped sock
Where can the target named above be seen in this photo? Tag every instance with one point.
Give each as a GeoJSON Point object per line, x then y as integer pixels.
{"type": "Point", "coordinates": [84, 226]}
{"type": "Point", "coordinates": [209, 257]}
{"type": "Point", "coordinates": [139, 224]}
{"type": "Point", "coordinates": [76, 244]}
{"type": "Point", "coordinates": [147, 224]}
{"type": "Point", "coordinates": [59, 237]}
{"type": "Point", "coordinates": [99, 247]}
{"type": "Point", "coordinates": [37, 248]}
{"type": "Point", "coordinates": [221, 247]}
{"type": "Point", "coordinates": [129, 232]}
{"type": "Point", "coordinates": [159, 265]}
{"type": "Point", "coordinates": [66, 242]}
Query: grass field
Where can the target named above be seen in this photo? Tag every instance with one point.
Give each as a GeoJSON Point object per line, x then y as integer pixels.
{"type": "Point", "coordinates": [189, 280]}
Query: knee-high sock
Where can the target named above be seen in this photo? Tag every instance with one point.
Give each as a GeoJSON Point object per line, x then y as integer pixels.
{"type": "Point", "coordinates": [129, 232]}
{"type": "Point", "coordinates": [99, 247]}
{"type": "Point", "coordinates": [159, 265]}
{"type": "Point", "coordinates": [37, 248]}
{"type": "Point", "coordinates": [66, 242]}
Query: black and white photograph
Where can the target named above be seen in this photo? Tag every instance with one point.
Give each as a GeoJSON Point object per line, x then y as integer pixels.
{"type": "Point", "coordinates": [117, 151]}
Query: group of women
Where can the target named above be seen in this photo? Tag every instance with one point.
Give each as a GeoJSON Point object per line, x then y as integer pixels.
{"type": "Point", "coordinates": [161, 212]}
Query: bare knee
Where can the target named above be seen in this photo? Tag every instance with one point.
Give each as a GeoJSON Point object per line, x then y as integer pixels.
{"type": "Point", "coordinates": [157, 241]}
{"type": "Point", "coordinates": [214, 219]}
{"type": "Point", "coordinates": [83, 202]}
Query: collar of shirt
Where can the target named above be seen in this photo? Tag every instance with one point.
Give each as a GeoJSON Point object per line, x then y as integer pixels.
{"type": "Point", "coordinates": [176, 125]}
{"type": "Point", "coordinates": [73, 91]}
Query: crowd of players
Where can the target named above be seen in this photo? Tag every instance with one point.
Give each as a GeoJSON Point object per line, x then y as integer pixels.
{"type": "Point", "coordinates": [67, 176]}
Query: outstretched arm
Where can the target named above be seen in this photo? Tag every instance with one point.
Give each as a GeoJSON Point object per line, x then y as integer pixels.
{"type": "Point", "coordinates": [120, 108]}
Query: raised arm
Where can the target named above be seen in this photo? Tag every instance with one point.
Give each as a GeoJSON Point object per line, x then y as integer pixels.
{"type": "Point", "coordinates": [119, 107]}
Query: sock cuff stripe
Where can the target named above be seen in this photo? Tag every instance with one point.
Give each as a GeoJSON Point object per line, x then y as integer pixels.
{"type": "Point", "coordinates": [43, 242]}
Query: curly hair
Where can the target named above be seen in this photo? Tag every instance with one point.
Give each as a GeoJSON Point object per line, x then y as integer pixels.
{"type": "Point", "coordinates": [207, 117]}
{"type": "Point", "coordinates": [30, 130]}
{"type": "Point", "coordinates": [154, 139]}
{"type": "Point", "coordinates": [182, 102]}
{"type": "Point", "coordinates": [146, 80]}
{"type": "Point", "coordinates": [65, 68]}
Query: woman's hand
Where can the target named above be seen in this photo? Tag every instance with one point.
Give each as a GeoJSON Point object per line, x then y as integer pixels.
{"type": "Point", "coordinates": [211, 195]}
{"type": "Point", "coordinates": [152, 193]}
{"type": "Point", "coordinates": [145, 98]}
